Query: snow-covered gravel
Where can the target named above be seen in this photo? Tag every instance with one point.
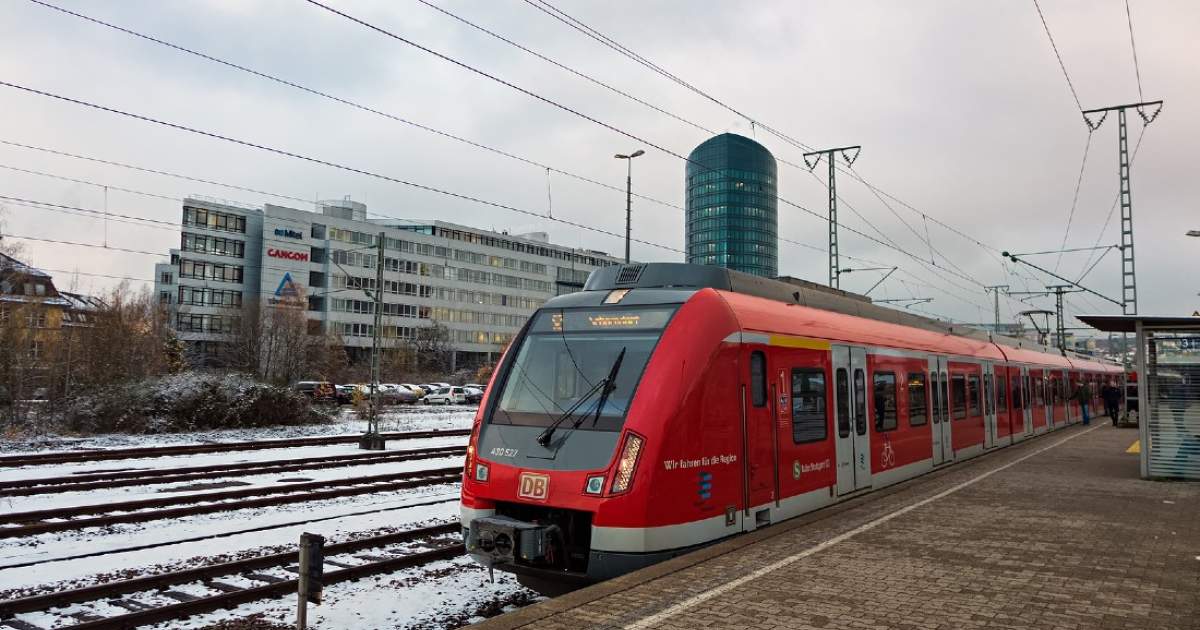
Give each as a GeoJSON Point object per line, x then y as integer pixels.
{"type": "Point", "coordinates": [345, 422]}
{"type": "Point", "coordinates": [442, 595]}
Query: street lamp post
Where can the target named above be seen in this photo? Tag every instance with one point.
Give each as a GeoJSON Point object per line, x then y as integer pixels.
{"type": "Point", "coordinates": [628, 196]}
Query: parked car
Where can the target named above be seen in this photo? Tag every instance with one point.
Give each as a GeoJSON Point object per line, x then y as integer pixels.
{"type": "Point", "coordinates": [447, 396]}
{"type": "Point", "coordinates": [427, 388]}
{"type": "Point", "coordinates": [474, 395]}
{"type": "Point", "coordinates": [440, 385]}
{"type": "Point", "coordinates": [392, 394]}
{"type": "Point", "coordinates": [345, 394]}
{"type": "Point", "coordinates": [416, 389]}
{"type": "Point", "coordinates": [482, 388]}
{"type": "Point", "coordinates": [318, 391]}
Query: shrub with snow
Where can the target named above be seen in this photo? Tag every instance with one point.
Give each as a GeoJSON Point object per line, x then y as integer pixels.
{"type": "Point", "coordinates": [187, 402]}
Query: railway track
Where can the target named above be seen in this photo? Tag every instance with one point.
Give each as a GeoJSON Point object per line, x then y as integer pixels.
{"type": "Point", "coordinates": [159, 598]}
{"type": "Point", "coordinates": [17, 524]}
{"type": "Point", "coordinates": [124, 478]}
{"type": "Point", "coordinates": [66, 457]}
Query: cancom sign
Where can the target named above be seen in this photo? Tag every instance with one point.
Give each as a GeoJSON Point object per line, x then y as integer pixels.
{"type": "Point", "coordinates": [287, 254]}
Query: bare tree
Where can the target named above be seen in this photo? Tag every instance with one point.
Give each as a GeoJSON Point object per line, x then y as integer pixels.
{"type": "Point", "coordinates": [430, 348]}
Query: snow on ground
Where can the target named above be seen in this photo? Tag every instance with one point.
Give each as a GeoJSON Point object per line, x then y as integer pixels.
{"type": "Point", "coordinates": [446, 594]}
{"type": "Point", "coordinates": [216, 482]}
{"type": "Point", "coordinates": [283, 528]}
{"type": "Point", "coordinates": [345, 422]}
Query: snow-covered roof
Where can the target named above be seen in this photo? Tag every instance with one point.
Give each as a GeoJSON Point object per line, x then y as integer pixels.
{"type": "Point", "coordinates": [8, 263]}
{"type": "Point", "coordinates": [81, 302]}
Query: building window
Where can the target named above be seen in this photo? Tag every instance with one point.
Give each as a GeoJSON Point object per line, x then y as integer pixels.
{"type": "Point", "coordinates": [884, 398]}
{"type": "Point", "coordinates": [168, 277]}
{"type": "Point", "coordinates": [36, 318]}
{"type": "Point", "coordinates": [758, 378]}
{"type": "Point", "coordinates": [808, 406]}
{"type": "Point", "coordinates": [958, 396]}
{"type": "Point", "coordinates": [918, 406]}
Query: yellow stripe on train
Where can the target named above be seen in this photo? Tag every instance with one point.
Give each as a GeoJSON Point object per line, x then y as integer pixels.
{"type": "Point", "coordinates": [788, 341]}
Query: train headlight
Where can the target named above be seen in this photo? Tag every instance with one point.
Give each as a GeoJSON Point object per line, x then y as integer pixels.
{"type": "Point", "coordinates": [481, 472]}
{"type": "Point", "coordinates": [595, 484]}
{"type": "Point", "coordinates": [627, 464]}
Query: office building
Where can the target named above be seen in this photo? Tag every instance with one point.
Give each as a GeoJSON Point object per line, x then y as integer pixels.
{"type": "Point", "coordinates": [732, 216]}
{"type": "Point", "coordinates": [481, 285]}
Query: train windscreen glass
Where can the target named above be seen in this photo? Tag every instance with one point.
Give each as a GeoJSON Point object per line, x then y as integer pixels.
{"type": "Point", "coordinates": [564, 359]}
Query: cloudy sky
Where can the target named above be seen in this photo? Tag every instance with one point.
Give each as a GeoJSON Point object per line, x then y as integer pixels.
{"type": "Point", "coordinates": [961, 107]}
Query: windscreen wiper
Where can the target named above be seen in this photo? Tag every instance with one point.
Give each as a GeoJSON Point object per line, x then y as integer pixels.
{"type": "Point", "coordinates": [543, 438]}
{"type": "Point", "coordinates": [605, 386]}
{"type": "Point", "coordinates": [610, 384]}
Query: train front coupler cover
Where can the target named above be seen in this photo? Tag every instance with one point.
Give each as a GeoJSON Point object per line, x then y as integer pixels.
{"type": "Point", "coordinates": [502, 541]}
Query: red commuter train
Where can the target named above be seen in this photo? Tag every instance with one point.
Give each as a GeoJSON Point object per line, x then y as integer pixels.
{"type": "Point", "coordinates": [667, 406]}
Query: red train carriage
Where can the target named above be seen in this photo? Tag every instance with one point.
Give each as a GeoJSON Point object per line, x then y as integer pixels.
{"type": "Point", "coordinates": [668, 406]}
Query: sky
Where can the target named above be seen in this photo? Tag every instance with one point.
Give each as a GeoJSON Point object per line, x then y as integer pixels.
{"type": "Point", "coordinates": [964, 115]}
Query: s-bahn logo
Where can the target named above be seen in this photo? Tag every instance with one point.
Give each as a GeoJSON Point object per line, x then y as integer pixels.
{"type": "Point", "coordinates": [533, 486]}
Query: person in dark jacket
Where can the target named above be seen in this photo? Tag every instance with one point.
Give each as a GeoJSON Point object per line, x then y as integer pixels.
{"type": "Point", "coordinates": [1083, 395]}
{"type": "Point", "coordinates": [1112, 401]}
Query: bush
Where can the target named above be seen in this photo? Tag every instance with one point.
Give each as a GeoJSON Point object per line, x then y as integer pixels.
{"type": "Point", "coordinates": [187, 402]}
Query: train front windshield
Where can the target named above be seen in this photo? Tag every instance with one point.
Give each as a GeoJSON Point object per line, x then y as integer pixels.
{"type": "Point", "coordinates": [565, 358]}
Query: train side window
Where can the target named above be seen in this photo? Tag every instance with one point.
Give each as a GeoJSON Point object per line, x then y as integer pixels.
{"type": "Point", "coordinates": [1039, 394]}
{"type": "Point", "coordinates": [758, 378]}
{"type": "Point", "coordinates": [1001, 394]}
{"type": "Point", "coordinates": [1025, 392]}
{"type": "Point", "coordinates": [918, 406]}
{"type": "Point", "coordinates": [973, 396]}
{"type": "Point", "coordinates": [958, 396]}
{"type": "Point", "coordinates": [843, 402]}
{"type": "Point", "coordinates": [883, 385]}
{"type": "Point", "coordinates": [989, 401]}
{"type": "Point", "coordinates": [808, 406]}
{"type": "Point", "coordinates": [860, 402]}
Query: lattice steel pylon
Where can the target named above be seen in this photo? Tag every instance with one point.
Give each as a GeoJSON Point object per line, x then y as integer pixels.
{"type": "Point", "coordinates": [834, 267]}
{"type": "Point", "coordinates": [1128, 268]}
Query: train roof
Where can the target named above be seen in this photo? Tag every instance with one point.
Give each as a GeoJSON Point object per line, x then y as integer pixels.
{"type": "Point", "coordinates": [823, 311]}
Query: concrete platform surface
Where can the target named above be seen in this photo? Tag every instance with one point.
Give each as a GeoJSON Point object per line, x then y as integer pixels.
{"type": "Point", "coordinates": [1057, 533]}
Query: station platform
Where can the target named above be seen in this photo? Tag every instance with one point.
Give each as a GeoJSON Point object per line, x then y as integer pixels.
{"type": "Point", "coordinates": [1057, 532]}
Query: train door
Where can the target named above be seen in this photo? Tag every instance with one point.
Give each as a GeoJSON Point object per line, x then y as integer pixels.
{"type": "Point", "coordinates": [939, 378]}
{"type": "Point", "coordinates": [758, 432]}
{"type": "Point", "coordinates": [989, 405]}
{"type": "Point", "coordinates": [850, 410]}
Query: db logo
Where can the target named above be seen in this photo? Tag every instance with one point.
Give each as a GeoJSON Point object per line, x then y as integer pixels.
{"type": "Point", "coordinates": [533, 486]}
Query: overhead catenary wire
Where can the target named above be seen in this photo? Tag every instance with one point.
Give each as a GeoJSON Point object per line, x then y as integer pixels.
{"type": "Point", "coordinates": [578, 25]}
{"type": "Point", "coordinates": [319, 161]}
{"type": "Point", "coordinates": [213, 182]}
{"type": "Point", "coordinates": [1058, 55]}
{"type": "Point", "coordinates": [573, 111]}
{"type": "Point", "coordinates": [1133, 46]}
{"type": "Point", "coordinates": [1074, 199]}
{"type": "Point", "coordinates": [349, 103]}
{"type": "Point", "coordinates": [892, 245]}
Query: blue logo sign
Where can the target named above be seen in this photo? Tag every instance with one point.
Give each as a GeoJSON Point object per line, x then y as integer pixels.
{"type": "Point", "coordinates": [288, 233]}
{"type": "Point", "coordinates": [287, 289]}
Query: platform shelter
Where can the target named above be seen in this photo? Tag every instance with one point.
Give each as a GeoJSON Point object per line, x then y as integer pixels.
{"type": "Point", "coordinates": [1168, 386]}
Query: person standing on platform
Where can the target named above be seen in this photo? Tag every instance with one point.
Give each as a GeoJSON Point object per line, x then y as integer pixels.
{"type": "Point", "coordinates": [1083, 394]}
{"type": "Point", "coordinates": [1112, 401]}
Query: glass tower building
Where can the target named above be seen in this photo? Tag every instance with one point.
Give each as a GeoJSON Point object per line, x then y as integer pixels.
{"type": "Point", "coordinates": [732, 216]}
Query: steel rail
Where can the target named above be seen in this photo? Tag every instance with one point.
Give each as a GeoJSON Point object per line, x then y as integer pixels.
{"type": "Point", "coordinates": [117, 479]}
{"type": "Point", "coordinates": [56, 599]}
{"type": "Point", "coordinates": [63, 457]}
{"type": "Point", "coordinates": [295, 493]}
